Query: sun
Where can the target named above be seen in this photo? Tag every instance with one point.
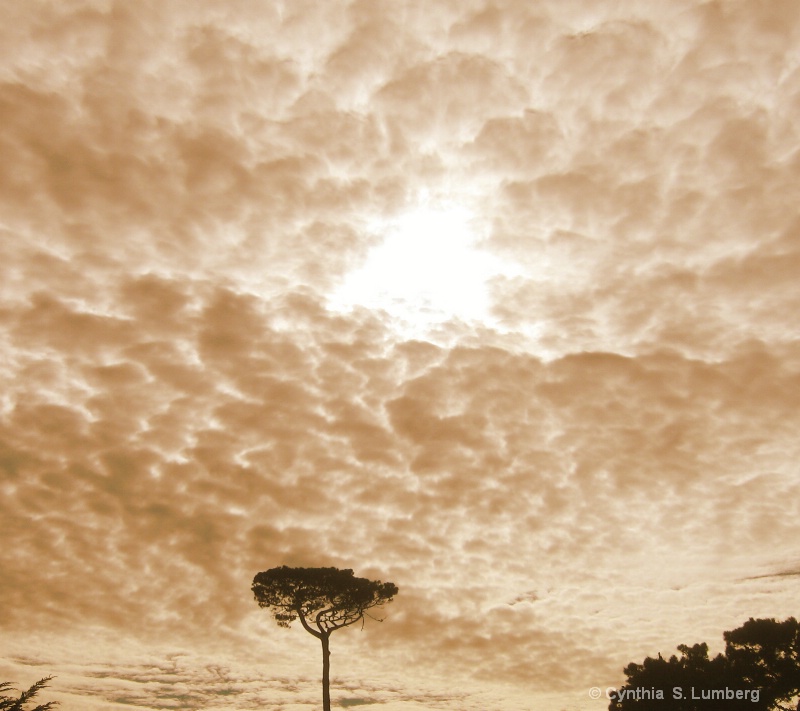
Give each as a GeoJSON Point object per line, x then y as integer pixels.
{"type": "Point", "coordinates": [428, 269]}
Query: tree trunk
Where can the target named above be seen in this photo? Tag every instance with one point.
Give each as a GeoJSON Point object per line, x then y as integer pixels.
{"type": "Point", "coordinates": [326, 672]}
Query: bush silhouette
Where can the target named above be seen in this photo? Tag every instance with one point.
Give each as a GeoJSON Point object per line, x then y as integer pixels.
{"type": "Point", "coordinates": [10, 703]}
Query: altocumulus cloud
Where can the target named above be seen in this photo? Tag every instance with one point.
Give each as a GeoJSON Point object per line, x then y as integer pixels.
{"type": "Point", "coordinates": [604, 471]}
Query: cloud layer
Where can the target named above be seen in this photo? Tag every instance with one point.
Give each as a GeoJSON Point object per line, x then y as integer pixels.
{"type": "Point", "coordinates": [603, 469]}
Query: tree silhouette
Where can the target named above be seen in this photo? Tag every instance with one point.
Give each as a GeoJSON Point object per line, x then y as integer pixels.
{"type": "Point", "coordinates": [766, 655]}
{"type": "Point", "coordinates": [760, 671]}
{"type": "Point", "coordinates": [9, 703]}
{"type": "Point", "coordinates": [324, 599]}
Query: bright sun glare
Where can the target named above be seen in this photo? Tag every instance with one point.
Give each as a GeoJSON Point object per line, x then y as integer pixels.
{"type": "Point", "coordinates": [427, 270]}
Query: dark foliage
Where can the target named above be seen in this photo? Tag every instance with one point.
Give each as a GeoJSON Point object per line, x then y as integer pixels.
{"type": "Point", "coordinates": [11, 703]}
{"type": "Point", "coordinates": [765, 654]}
{"type": "Point", "coordinates": [324, 599]}
{"type": "Point", "coordinates": [329, 598]}
{"type": "Point", "coordinates": [759, 671]}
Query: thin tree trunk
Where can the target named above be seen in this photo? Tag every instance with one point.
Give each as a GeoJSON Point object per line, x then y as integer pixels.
{"type": "Point", "coordinates": [326, 672]}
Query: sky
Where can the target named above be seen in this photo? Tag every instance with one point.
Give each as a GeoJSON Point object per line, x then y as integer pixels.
{"type": "Point", "coordinates": [493, 300]}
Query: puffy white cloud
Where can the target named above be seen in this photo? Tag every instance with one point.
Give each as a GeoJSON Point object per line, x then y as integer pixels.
{"type": "Point", "coordinates": [603, 471]}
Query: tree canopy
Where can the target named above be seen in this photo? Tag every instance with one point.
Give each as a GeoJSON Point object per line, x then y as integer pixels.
{"type": "Point", "coordinates": [765, 654]}
{"type": "Point", "coordinates": [759, 671]}
{"type": "Point", "coordinates": [323, 599]}
{"type": "Point", "coordinates": [329, 598]}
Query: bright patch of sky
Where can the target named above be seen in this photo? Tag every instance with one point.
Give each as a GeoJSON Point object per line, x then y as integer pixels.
{"type": "Point", "coordinates": [428, 269]}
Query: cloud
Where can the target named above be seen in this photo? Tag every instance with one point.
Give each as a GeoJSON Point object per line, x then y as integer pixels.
{"type": "Point", "coordinates": [600, 451]}
{"type": "Point", "coordinates": [456, 91]}
{"type": "Point", "coordinates": [603, 469]}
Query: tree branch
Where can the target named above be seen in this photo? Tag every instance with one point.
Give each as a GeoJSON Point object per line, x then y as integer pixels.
{"type": "Point", "coordinates": [331, 619]}
{"type": "Point", "coordinates": [305, 624]}
{"type": "Point", "coordinates": [346, 621]}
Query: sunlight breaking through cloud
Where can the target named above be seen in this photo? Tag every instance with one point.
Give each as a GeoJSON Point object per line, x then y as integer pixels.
{"type": "Point", "coordinates": [496, 300]}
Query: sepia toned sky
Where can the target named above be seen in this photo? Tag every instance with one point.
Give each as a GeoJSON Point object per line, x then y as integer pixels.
{"type": "Point", "coordinates": [494, 300]}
